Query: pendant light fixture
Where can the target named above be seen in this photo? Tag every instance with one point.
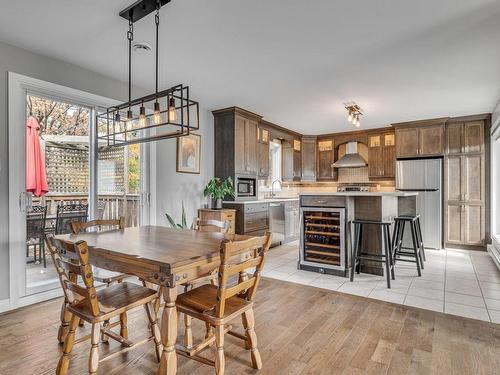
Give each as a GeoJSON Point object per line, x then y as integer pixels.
{"type": "Point", "coordinates": [142, 119]}
{"type": "Point", "coordinates": [354, 112]}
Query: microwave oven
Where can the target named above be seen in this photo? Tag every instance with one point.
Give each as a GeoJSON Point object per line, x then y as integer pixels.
{"type": "Point", "coordinates": [246, 187]}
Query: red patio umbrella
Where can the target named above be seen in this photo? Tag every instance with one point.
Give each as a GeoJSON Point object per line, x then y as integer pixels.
{"type": "Point", "coordinates": [36, 178]}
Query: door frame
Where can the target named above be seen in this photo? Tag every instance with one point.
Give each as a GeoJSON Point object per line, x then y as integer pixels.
{"type": "Point", "coordinates": [18, 87]}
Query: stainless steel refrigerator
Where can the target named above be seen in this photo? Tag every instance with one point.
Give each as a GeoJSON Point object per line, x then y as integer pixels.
{"type": "Point", "coordinates": [424, 176]}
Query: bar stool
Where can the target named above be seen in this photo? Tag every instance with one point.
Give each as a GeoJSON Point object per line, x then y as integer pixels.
{"type": "Point", "coordinates": [417, 251]}
{"type": "Point", "coordinates": [386, 257]}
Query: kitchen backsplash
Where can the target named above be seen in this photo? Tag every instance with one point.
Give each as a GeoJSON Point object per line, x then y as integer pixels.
{"type": "Point", "coordinates": [353, 175]}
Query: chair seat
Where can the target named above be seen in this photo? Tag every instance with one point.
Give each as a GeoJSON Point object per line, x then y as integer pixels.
{"type": "Point", "coordinates": [114, 300]}
{"type": "Point", "coordinates": [200, 302]}
{"type": "Point", "coordinates": [107, 277]}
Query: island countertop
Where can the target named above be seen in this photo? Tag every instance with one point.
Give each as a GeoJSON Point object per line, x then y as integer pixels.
{"type": "Point", "coordinates": [365, 194]}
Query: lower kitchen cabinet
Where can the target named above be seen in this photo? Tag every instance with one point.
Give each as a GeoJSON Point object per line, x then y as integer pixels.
{"type": "Point", "coordinates": [465, 224]}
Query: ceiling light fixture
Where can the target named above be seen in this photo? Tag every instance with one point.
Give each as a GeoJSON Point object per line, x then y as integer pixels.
{"type": "Point", "coordinates": [181, 114]}
{"type": "Point", "coordinates": [354, 112]}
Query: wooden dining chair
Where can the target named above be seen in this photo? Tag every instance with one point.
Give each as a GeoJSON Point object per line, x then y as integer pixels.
{"type": "Point", "coordinates": [100, 275]}
{"type": "Point", "coordinates": [96, 306]}
{"type": "Point", "coordinates": [210, 225]}
{"type": "Point", "coordinates": [219, 305]}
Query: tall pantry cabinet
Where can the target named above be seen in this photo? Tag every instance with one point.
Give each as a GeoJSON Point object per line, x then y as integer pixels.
{"type": "Point", "coordinates": [465, 184]}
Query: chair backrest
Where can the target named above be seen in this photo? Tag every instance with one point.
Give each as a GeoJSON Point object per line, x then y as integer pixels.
{"type": "Point", "coordinates": [72, 260]}
{"type": "Point", "coordinates": [35, 222]}
{"type": "Point", "coordinates": [245, 287]}
{"type": "Point", "coordinates": [66, 213]}
{"type": "Point", "coordinates": [210, 225]}
{"type": "Point", "coordinates": [77, 226]}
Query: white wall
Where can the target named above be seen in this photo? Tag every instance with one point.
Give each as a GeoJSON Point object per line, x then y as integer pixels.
{"type": "Point", "coordinates": [171, 187]}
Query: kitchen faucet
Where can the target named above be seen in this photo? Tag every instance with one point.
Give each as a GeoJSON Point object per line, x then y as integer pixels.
{"type": "Point", "coordinates": [272, 187]}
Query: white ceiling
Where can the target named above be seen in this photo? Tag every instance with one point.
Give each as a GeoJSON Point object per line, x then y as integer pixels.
{"type": "Point", "coordinates": [294, 62]}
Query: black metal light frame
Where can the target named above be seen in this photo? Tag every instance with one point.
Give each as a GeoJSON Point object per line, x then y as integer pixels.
{"type": "Point", "coordinates": [118, 126]}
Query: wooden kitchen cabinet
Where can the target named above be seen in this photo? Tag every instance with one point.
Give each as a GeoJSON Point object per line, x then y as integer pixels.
{"type": "Point", "coordinates": [236, 143]}
{"type": "Point", "coordinates": [419, 141]}
{"type": "Point", "coordinates": [246, 140]}
{"type": "Point", "coordinates": [263, 152]}
{"type": "Point", "coordinates": [308, 158]}
{"type": "Point", "coordinates": [325, 158]}
{"type": "Point", "coordinates": [465, 137]}
{"type": "Point", "coordinates": [465, 183]}
{"type": "Point", "coordinates": [381, 156]}
{"type": "Point", "coordinates": [465, 224]}
{"type": "Point", "coordinates": [291, 169]}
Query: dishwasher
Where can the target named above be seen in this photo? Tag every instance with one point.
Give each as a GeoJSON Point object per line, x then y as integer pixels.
{"type": "Point", "coordinates": [277, 222]}
{"type": "Point", "coordinates": [284, 221]}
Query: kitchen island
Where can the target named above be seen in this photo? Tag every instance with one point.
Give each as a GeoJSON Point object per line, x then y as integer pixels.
{"type": "Point", "coordinates": [325, 227]}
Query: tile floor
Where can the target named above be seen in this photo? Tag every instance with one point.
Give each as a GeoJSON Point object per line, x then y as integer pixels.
{"type": "Point", "coordinates": [458, 282]}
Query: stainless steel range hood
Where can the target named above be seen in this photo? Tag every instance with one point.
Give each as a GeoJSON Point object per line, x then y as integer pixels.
{"type": "Point", "coordinates": [351, 159]}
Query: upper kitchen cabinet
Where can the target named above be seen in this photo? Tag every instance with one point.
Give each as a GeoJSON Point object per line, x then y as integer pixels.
{"type": "Point", "coordinates": [325, 158]}
{"type": "Point", "coordinates": [263, 153]}
{"type": "Point", "coordinates": [291, 160]}
{"type": "Point", "coordinates": [381, 155]}
{"type": "Point", "coordinates": [236, 142]}
{"type": "Point", "coordinates": [420, 139]}
{"type": "Point", "coordinates": [308, 158]}
{"type": "Point", "coordinates": [465, 137]}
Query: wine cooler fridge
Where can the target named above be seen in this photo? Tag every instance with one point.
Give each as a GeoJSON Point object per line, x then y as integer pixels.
{"type": "Point", "coordinates": [322, 243]}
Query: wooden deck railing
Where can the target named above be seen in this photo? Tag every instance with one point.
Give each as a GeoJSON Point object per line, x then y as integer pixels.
{"type": "Point", "coordinates": [110, 206]}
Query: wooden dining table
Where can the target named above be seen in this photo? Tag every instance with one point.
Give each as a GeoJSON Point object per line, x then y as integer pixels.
{"type": "Point", "coordinates": [163, 256]}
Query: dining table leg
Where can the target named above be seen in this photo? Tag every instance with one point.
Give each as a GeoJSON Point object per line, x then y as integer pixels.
{"type": "Point", "coordinates": [168, 361]}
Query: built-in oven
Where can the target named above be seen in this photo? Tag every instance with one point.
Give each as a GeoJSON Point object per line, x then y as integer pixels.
{"type": "Point", "coordinates": [246, 187]}
{"type": "Point", "coordinates": [323, 240]}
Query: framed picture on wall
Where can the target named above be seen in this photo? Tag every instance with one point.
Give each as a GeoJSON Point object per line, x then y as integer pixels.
{"type": "Point", "coordinates": [189, 153]}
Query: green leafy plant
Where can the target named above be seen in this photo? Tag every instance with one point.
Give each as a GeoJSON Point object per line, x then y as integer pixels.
{"type": "Point", "coordinates": [183, 224]}
{"type": "Point", "coordinates": [218, 188]}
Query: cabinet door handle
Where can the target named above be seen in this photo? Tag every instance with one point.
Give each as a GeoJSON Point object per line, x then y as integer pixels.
{"type": "Point", "coordinates": [321, 201]}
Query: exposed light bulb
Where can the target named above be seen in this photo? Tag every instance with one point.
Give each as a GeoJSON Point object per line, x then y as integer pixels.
{"type": "Point", "coordinates": [349, 118]}
{"type": "Point", "coordinates": [357, 122]}
{"type": "Point", "coordinates": [142, 116]}
{"type": "Point", "coordinates": [130, 119]}
{"type": "Point", "coordinates": [171, 110]}
{"type": "Point", "coordinates": [157, 114]}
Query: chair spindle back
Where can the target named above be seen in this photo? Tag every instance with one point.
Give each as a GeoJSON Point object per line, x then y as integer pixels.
{"type": "Point", "coordinates": [245, 287]}
{"type": "Point", "coordinates": [72, 260]}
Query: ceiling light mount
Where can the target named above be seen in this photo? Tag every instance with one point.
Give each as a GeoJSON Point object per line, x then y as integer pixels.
{"type": "Point", "coordinates": [354, 112]}
{"type": "Point", "coordinates": [141, 9]}
{"type": "Point", "coordinates": [163, 114]}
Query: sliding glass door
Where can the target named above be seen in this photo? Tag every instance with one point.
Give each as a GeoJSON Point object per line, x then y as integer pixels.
{"type": "Point", "coordinates": [57, 168]}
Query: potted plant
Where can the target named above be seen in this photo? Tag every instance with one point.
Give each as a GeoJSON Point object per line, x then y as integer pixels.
{"type": "Point", "coordinates": [218, 188]}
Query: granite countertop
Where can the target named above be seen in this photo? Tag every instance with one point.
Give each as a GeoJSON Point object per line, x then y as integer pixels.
{"type": "Point", "coordinates": [368, 193]}
{"type": "Point", "coordinates": [267, 200]}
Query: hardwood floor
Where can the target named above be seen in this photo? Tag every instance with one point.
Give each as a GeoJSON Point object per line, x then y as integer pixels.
{"type": "Point", "coordinates": [301, 330]}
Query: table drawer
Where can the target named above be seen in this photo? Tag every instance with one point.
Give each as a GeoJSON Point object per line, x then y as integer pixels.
{"type": "Point", "coordinates": [322, 201]}
{"type": "Point", "coordinates": [256, 220]}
